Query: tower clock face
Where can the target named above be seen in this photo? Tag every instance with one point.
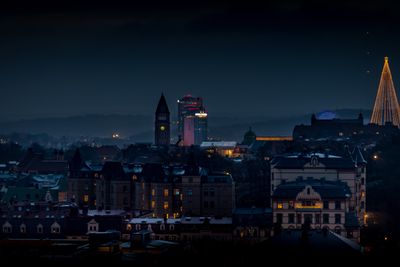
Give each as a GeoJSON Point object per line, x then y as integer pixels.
{"type": "Point", "coordinates": [162, 128]}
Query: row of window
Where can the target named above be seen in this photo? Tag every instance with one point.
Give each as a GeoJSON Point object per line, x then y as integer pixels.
{"type": "Point", "coordinates": [166, 192]}
{"type": "Point", "coordinates": [55, 228]}
{"type": "Point", "coordinates": [291, 204]}
{"type": "Point", "coordinates": [312, 218]}
{"type": "Point", "coordinates": [138, 227]}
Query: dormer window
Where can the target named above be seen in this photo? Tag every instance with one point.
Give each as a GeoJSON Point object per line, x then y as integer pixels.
{"type": "Point", "coordinates": [93, 226]}
{"type": "Point", "coordinates": [39, 229]}
{"type": "Point", "coordinates": [22, 228]}
{"type": "Point", "coordinates": [55, 228]}
{"type": "Point", "coordinates": [7, 228]}
{"type": "Point", "coordinates": [314, 161]}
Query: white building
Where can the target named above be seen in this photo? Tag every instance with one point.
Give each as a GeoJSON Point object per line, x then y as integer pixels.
{"type": "Point", "coordinates": [324, 190]}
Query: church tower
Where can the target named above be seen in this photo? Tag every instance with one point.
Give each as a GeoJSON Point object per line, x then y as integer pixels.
{"type": "Point", "coordinates": [162, 123]}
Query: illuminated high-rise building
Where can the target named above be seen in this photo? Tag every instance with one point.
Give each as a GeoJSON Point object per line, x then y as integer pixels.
{"type": "Point", "coordinates": [195, 129]}
{"type": "Point", "coordinates": [192, 120]}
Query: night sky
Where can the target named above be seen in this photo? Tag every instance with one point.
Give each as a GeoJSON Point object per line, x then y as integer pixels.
{"type": "Point", "coordinates": [244, 59]}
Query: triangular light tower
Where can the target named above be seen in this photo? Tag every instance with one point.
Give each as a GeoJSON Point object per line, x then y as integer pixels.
{"type": "Point", "coordinates": [386, 108]}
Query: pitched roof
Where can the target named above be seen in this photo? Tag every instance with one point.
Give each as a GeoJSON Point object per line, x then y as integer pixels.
{"type": "Point", "coordinates": [162, 106]}
{"type": "Point", "coordinates": [297, 161]}
{"type": "Point", "coordinates": [113, 170]}
{"type": "Point", "coordinates": [326, 189]}
{"type": "Point", "coordinates": [358, 156]}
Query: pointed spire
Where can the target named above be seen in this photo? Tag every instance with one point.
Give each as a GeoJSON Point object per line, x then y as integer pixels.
{"type": "Point", "coordinates": [386, 108]}
{"type": "Point", "coordinates": [76, 162]}
{"type": "Point", "coordinates": [162, 106]}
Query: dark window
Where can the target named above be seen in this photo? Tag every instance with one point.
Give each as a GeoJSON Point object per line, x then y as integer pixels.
{"type": "Point", "coordinates": [362, 204]}
{"type": "Point", "coordinates": [338, 218]}
{"type": "Point", "coordinates": [212, 192]}
{"type": "Point", "coordinates": [362, 181]}
{"type": "Point", "coordinates": [291, 218]}
{"type": "Point", "coordinates": [308, 218]}
{"type": "Point", "coordinates": [279, 217]}
{"type": "Point", "coordinates": [326, 205]}
{"type": "Point", "coordinates": [317, 218]}
{"type": "Point", "coordinates": [124, 188]}
{"type": "Point", "coordinates": [291, 205]}
{"type": "Point", "coordinates": [308, 191]}
{"type": "Point", "coordinates": [349, 234]}
{"type": "Point", "coordinates": [205, 204]}
{"type": "Point", "coordinates": [337, 205]}
{"type": "Point", "coordinates": [299, 218]}
{"type": "Point", "coordinates": [190, 192]}
{"type": "Point", "coordinates": [212, 204]}
{"type": "Point", "coordinates": [325, 218]}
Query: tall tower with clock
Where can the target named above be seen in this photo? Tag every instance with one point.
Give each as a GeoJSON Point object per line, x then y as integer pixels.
{"type": "Point", "coordinates": [162, 123]}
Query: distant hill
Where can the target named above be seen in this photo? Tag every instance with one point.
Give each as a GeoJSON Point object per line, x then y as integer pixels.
{"type": "Point", "coordinates": [139, 128]}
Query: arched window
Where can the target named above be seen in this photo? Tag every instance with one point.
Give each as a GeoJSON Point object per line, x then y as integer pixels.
{"type": "Point", "coordinates": [55, 228]}
{"type": "Point", "coordinates": [162, 227]}
{"type": "Point", "coordinates": [138, 227]}
{"type": "Point", "coordinates": [171, 227]}
{"type": "Point", "coordinates": [314, 161]}
{"type": "Point", "coordinates": [39, 228]}
{"type": "Point", "coordinates": [93, 226]}
{"type": "Point", "coordinates": [7, 228]}
{"type": "Point", "coordinates": [22, 228]}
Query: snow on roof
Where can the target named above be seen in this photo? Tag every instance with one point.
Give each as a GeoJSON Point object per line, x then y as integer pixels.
{"type": "Point", "coordinates": [218, 144]}
{"type": "Point", "coordinates": [320, 155]}
{"type": "Point", "coordinates": [105, 212]}
{"type": "Point", "coordinates": [153, 221]}
{"type": "Point", "coordinates": [200, 220]}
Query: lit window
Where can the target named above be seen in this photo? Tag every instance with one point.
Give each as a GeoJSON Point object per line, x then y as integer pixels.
{"type": "Point", "coordinates": [134, 177]}
{"type": "Point", "coordinates": [129, 227]}
{"type": "Point", "coordinates": [166, 205]}
{"type": "Point", "coordinates": [153, 192]}
{"type": "Point", "coordinates": [280, 206]}
{"type": "Point", "coordinates": [22, 228]}
{"type": "Point", "coordinates": [86, 198]}
{"type": "Point", "coordinates": [153, 204]}
{"type": "Point", "coordinates": [176, 192]}
{"type": "Point", "coordinates": [166, 192]}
